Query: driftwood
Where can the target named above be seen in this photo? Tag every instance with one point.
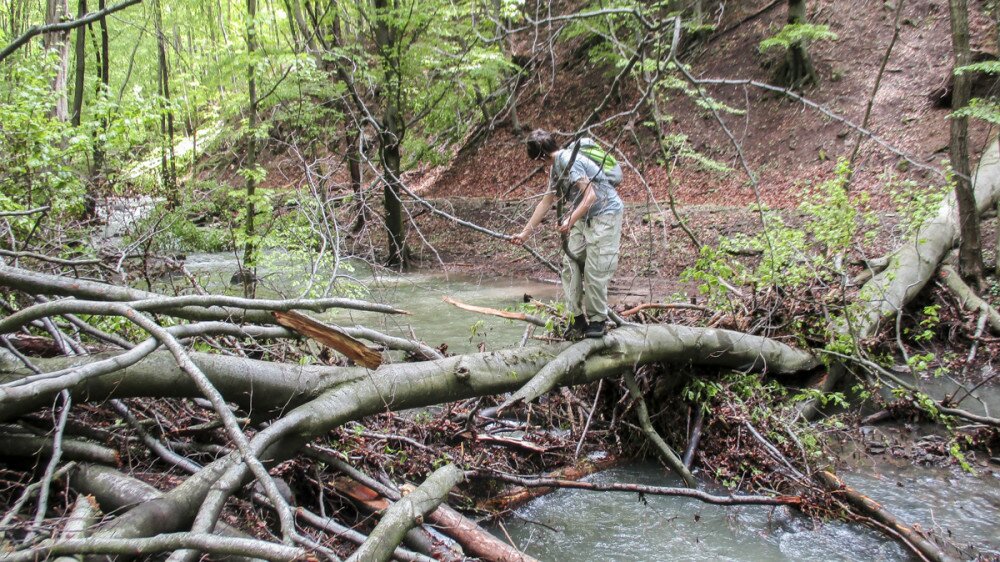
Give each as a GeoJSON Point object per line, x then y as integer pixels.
{"type": "Point", "coordinates": [495, 312]}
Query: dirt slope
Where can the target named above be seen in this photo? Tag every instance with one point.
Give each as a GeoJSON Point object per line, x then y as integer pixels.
{"type": "Point", "coordinates": [786, 144]}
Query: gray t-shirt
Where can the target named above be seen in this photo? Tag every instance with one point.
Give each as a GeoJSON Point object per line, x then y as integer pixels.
{"type": "Point", "coordinates": [608, 202]}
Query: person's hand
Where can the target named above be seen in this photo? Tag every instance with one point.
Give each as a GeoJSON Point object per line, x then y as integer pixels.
{"type": "Point", "coordinates": [519, 238]}
{"type": "Point", "coordinates": [564, 227]}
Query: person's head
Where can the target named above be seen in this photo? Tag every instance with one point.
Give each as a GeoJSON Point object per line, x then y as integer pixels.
{"type": "Point", "coordinates": [540, 144]}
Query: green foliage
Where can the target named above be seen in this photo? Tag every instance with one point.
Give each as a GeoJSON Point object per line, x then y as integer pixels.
{"type": "Point", "coordinates": [928, 323]}
{"type": "Point", "coordinates": [988, 67]}
{"type": "Point", "coordinates": [797, 34]}
{"type": "Point", "coordinates": [37, 151]}
{"type": "Point", "coordinates": [177, 231]}
{"type": "Point", "coordinates": [678, 145]}
{"type": "Point", "coordinates": [916, 204]}
{"type": "Point", "coordinates": [987, 110]}
{"type": "Point", "coordinates": [955, 450]}
{"type": "Point", "coordinates": [789, 256]}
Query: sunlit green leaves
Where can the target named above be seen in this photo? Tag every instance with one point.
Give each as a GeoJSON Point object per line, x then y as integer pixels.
{"type": "Point", "coordinates": [798, 33]}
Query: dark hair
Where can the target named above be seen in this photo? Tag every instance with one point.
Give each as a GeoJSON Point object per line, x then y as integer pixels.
{"type": "Point", "coordinates": [540, 144]}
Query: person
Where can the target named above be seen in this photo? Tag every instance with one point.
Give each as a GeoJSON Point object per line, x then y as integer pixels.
{"type": "Point", "coordinates": [592, 227]}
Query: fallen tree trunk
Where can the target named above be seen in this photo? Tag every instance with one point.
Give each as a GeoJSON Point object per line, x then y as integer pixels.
{"type": "Point", "coordinates": [910, 267]}
{"type": "Point", "coordinates": [261, 386]}
{"type": "Point", "coordinates": [402, 386]}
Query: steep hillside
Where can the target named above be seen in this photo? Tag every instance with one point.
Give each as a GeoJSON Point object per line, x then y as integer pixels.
{"type": "Point", "coordinates": [786, 143]}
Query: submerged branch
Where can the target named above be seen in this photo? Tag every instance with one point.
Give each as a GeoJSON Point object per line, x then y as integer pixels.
{"type": "Point", "coordinates": [699, 495]}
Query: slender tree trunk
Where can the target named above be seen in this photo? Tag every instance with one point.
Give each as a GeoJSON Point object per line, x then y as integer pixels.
{"type": "Point", "coordinates": [55, 12]}
{"type": "Point", "coordinates": [250, 247]}
{"type": "Point", "coordinates": [81, 66]}
{"type": "Point", "coordinates": [104, 89]}
{"type": "Point", "coordinates": [168, 170]}
{"type": "Point", "coordinates": [970, 249]}
{"type": "Point", "coordinates": [393, 130]}
{"type": "Point", "coordinates": [799, 70]}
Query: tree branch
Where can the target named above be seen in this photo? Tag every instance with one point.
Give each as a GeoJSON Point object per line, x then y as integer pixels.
{"type": "Point", "coordinates": [62, 26]}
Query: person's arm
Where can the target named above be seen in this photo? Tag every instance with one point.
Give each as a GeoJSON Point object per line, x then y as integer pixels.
{"type": "Point", "coordinates": [587, 200]}
{"type": "Point", "coordinates": [541, 208]}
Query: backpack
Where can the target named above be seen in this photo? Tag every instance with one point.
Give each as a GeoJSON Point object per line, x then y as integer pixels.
{"type": "Point", "coordinates": [609, 166]}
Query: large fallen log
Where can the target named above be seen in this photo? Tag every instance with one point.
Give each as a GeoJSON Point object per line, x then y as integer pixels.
{"type": "Point", "coordinates": [401, 386]}
{"type": "Point", "coordinates": [261, 386]}
{"type": "Point", "coordinates": [910, 267]}
{"type": "Point", "coordinates": [913, 264]}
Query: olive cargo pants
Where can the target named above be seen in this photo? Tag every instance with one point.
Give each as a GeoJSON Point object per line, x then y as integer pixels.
{"type": "Point", "coordinates": [595, 241]}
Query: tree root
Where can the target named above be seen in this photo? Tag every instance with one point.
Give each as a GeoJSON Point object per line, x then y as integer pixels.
{"type": "Point", "coordinates": [968, 298]}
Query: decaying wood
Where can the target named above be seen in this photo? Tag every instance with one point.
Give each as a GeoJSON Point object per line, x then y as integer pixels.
{"type": "Point", "coordinates": [522, 494]}
{"type": "Point", "coordinates": [330, 337]}
{"type": "Point", "coordinates": [475, 540]}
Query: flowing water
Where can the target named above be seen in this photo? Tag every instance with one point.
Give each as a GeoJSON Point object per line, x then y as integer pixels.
{"type": "Point", "coordinates": [576, 525]}
{"type": "Point", "coordinates": [420, 293]}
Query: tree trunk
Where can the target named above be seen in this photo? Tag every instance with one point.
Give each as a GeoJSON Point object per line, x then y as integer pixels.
{"type": "Point", "coordinates": [81, 66]}
{"type": "Point", "coordinates": [249, 277]}
{"type": "Point", "coordinates": [393, 130]}
{"type": "Point", "coordinates": [970, 250]}
{"type": "Point", "coordinates": [55, 12]}
{"type": "Point", "coordinates": [168, 171]}
{"type": "Point", "coordinates": [798, 67]}
{"type": "Point", "coordinates": [104, 89]}
{"type": "Point", "coordinates": [912, 265]}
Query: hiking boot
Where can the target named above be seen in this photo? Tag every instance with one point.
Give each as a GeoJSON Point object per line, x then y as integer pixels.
{"type": "Point", "coordinates": [577, 328]}
{"type": "Point", "coordinates": [595, 330]}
